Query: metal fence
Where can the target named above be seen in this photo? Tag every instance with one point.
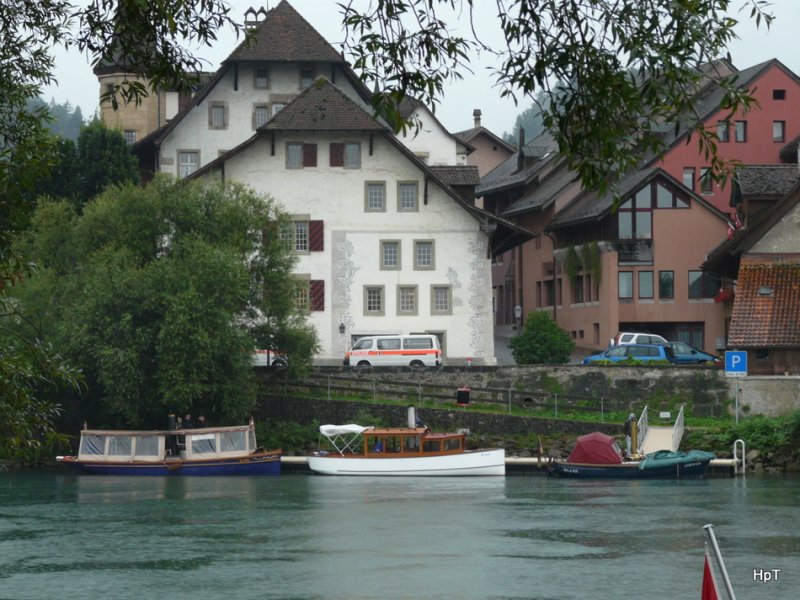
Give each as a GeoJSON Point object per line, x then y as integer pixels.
{"type": "Point", "coordinates": [539, 402]}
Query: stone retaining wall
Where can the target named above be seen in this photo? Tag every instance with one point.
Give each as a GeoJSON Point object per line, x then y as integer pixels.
{"type": "Point", "coordinates": [705, 391]}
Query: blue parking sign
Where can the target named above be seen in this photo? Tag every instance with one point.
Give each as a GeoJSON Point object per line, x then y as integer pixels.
{"type": "Point", "coordinates": [736, 364]}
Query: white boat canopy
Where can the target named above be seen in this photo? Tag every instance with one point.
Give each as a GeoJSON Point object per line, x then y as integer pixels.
{"type": "Point", "coordinates": [343, 436]}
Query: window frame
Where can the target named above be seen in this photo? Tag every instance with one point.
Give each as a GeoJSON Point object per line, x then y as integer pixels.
{"type": "Point", "coordinates": [181, 153]}
{"type": "Point", "coordinates": [690, 171]}
{"type": "Point", "coordinates": [709, 288]}
{"type": "Point", "coordinates": [213, 108]}
{"type": "Point", "coordinates": [662, 288]}
{"type": "Point", "coordinates": [415, 293]}
{"type": "Point", "coordinates": [292, 239]}
{"type": "Point", "coordinates": [305, 68]}
{"type": "Point", "coordinates": [256, 107]}
{"type": "Point", "coordinates": [724, 131]}
{"type": "Point", "coordinates": [401, 185]}
{"type": "Point", "coordinates": [384, 244]}
{"type": "Point", "coordinates": [302, 293]}
{"type": "Point", "coordinates": [629, 276]}
{"type": "Point", "coordinates": [782, 137]}
{"type": "Point", "coordinates": [256, 77]}
{"type": "Point", "coordinates": [740, 131]}
{"type": "Point", "coordinates": [706, 181]}
{"type": "Point", "coordinates": [640, 275]}
{"type": "Point", "coordinates": [381, 290]}
{"type": "Point", "coordinates": [378, 185]}
{"type": "Point", "coordinates": [417, 245]}
{"type": "Point", "coordinates": [357, 163]}
{"type": "Point", "coordinates": [449, 291]}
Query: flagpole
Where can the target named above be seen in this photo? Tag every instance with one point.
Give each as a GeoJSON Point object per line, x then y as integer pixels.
{"type": "Point", "coordinates": [709, 533]}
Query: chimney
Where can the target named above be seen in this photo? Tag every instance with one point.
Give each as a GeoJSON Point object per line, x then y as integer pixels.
{"type": "Point", "coordinates": [476, 114]}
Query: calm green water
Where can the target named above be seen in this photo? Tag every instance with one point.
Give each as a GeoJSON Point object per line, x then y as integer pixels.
{"type": "Point", "coordinates": [305, 536]}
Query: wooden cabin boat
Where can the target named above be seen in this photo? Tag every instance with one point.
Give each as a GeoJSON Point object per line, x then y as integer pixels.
{"type": "Point", "coordinates": [406, 451]}
{"type": "Point", "coordinates": [189, 452]}
{"type": "Point", "coordinates": [598, 456]}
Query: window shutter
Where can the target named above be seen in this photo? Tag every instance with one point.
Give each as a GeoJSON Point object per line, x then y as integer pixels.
{"type": "Point", "coordinates": [309, 155]}
{"type": "Point", "coordinates": [337, 154]}
{"type": "Point", "coordinates": [316, 237]}
{"type": "Point", "coordinates": [316, 292]}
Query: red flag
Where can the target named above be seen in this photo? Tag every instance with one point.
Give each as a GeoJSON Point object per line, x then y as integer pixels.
{"type": "Point", "coordinates": [709, 591]}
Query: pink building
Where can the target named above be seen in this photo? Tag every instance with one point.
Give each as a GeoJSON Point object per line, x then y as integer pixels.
{"type": "Point", "coordinates": [601, 268]}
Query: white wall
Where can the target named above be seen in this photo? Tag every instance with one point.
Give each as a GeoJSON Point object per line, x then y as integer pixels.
{"type": "Point", "coordinates": [352, 244]}
{"type": "Point", "coordinates": [433, 141]}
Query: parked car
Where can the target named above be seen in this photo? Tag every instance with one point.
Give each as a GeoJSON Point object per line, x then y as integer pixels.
{"type": "Point", "coordinates": [689, 355]}
{"type": "Point", "coordinates": [633, 352]}
{"type": "Point", "coordinates": [637, 338]}
{"type": "Point", "coordinates": [269, 358]}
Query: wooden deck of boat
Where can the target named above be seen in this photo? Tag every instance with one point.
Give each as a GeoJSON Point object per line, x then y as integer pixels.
{"type": "Point", "coordinates": [516, 465]}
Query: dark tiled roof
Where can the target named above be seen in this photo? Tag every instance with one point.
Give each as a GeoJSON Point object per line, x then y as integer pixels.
{"type": "Point", "coordinates": [470, 134]}
{"type": "Point", "coordinates": [766, 309]}
{"type": "Point", "coordinates": [322, 106]}
{"type": "Point", "coordinates": [285, 36]}
{"type": "Point", "coordinates": [458, 175]}
{"type": "Point", "coordinates": [767, 180]}
{"type": "Point", "coordinates": [591, 206]}
{"type": "Point", "coordinates": [546, 192]}
{"type": "Point", "coordinates": [507, 174]}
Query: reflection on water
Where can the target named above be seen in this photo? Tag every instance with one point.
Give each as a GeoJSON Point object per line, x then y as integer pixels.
{"type": "Point", "coordinates": [299, 536]}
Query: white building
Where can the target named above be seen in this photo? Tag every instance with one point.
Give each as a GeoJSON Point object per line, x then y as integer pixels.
{"type": "Point", "coordinates": [385, 244]}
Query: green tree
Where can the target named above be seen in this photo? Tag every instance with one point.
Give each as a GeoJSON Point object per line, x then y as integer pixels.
{"type": "Point", "coordinates": [541, 341]}
{"type": "Point", "coordinates": [614, 72]}
{"type": "Point", "coordinates": [103, 158]}
{"type": "Point", "coordinates": [160, 295]}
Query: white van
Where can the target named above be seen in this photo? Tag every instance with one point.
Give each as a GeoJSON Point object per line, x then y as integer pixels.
{"type": "Point", "coordinates": [421, 350]}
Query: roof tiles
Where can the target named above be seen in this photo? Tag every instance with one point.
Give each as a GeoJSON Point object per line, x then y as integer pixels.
{"type": "Point", "coordinates": [766, 311]}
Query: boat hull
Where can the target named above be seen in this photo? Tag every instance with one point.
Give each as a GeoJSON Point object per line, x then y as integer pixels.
{"type": "Point", "coordinates": [470, 463]}
{"type": "Point", "coordinates": [629, 470]}
{"type": "Point", "coordinates": [255, 464]}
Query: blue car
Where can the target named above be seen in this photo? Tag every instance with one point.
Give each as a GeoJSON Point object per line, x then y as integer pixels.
{"type": "Point", "coordinates": [689, 355]}
{"type": "Point", "coordinates": [633, 352]}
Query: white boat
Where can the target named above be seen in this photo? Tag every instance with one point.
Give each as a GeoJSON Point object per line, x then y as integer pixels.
{"type": "Point", "coordinates": [407, 451]}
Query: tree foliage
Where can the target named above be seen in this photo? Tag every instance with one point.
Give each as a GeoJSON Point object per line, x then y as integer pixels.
{"type": "Point", "coordinates": [614, 73]}
{"type": "Point", "coordinates": [161, 294]}
{"type": "Point", "coordinates": [541, 341]}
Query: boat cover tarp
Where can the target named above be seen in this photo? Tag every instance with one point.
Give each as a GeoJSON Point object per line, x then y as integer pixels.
{"type": "Point", "coordinates": [597, 449]}
{"type": "Point", "coordinates": [334, 430]}
{"type": "Point", "coordinates": [665, 458]}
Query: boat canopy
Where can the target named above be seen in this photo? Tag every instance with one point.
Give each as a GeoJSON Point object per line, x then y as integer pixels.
{"type": "Point", "coordinates": [152, 446]}
{"type": "Point", "coordinates": [666, 458]}
{"type": "Point", "coordinates": [597, 449]}
{"type": "Point", "coordinates": [343, 437]}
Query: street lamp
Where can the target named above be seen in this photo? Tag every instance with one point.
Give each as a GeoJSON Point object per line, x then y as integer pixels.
{"type": "Point", "coordinates": [517, 316]}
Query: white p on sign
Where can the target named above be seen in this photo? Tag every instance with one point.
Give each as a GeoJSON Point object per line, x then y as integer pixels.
{"type": "Point", "coordinates": [736, 364]}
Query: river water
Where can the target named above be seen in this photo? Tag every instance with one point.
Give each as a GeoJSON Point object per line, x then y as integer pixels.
{"type": "Point", "coordinates": [313, 537]}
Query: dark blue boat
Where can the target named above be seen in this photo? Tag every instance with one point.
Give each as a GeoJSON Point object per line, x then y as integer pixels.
{"type": "Point", "coordinates": [210, 451]}
{"type": "Point", "coordinates": [597, 456]}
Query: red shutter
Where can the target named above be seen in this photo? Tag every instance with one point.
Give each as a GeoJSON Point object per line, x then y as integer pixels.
{"type": "Point", "coordinates": [309, 155]}
{"type": "Point", "coordinates": [316, 292]}
{"type": "Point", "coordinates": [337, 154]}
{"type": "Point", "coordinates": [316, 236]}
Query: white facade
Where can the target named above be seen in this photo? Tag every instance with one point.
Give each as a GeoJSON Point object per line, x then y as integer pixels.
{"type": "Point", "coordinates": [242, 104]}
{"type": "Point", "coordinates": [357, 241]}
{"type": "Point", "coordinates": [431, 142]}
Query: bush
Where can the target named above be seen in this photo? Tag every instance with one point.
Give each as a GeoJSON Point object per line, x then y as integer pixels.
{"type": "Point", "coordinates": [541, 341]}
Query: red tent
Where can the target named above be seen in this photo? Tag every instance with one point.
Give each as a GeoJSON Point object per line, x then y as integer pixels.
{"type": "Point", "coordinates": [596, 449]}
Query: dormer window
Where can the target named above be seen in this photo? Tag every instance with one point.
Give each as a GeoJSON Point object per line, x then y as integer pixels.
{"type": "Point", "coordinates": [765, 290]}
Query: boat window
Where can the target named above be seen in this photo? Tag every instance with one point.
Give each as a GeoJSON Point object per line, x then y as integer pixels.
{"type": "Point", "coordinates": [93, 444]}
{"type": "Point", "coordinates": [391, 444]}
{"type": "Point", "coordinates": [412, 443]}
{"type": "Point", "coordinates": [233, 440]}
{"type": "Point", "coordinates": [203, 443]}
{"type": "Point", "coordinates": [432, 446]}
{"type": "Point", "coordinates": [375, 445]}
{"type": "Point", "coordinates": [147, 445]}
{"type": "Point", "coordinates": [251, 435]}
{"type": "Point", "coordinates": [119, 445]}
{"type": "Point", "coordinates": [452, 444]}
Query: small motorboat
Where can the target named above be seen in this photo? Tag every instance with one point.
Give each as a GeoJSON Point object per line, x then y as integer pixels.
{"type": "Point", "coordinates": [402, 451]}
{"type": "Point", "coordinates": [185, 452]}
{"type": "Point", "coordinates": [598, 455]}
